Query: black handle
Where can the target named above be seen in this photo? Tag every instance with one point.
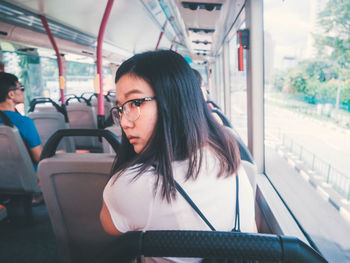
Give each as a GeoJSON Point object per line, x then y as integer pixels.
{"type": "Point", "coordinates": [59, 108]}
{"type": "Point", "coordinates": [214, 104]}
{"type": "Point", "coordinates": [212, 244]}
{"type": "Point", "coordinates": [71, 98]}
{"type": "Point", "coordinates": [36, 101]}
{"type": "Point", "coordinates": [84, 93]}
{"type": "Point", "coordinates": [78, 98]}
{"type": "Point", "coordinates": [52, 143]}
{"type": "Point", "coordinates": [109, 94]}
{"type": "Point", "coordinates": [96, 95]}
{"type": "Point", "coordinates": [87, 101]}
{"type": "Point", "coordinates": [93, 95]}
{"type": "Point", "coordinates": [223, 118]}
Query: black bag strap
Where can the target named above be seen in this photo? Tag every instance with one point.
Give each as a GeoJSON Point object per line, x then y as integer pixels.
{"type": "Point", "coordinates": [189, 200]}
{"type": "Point", "coordinates": [6, 119]}
{"type": "Point", "coordinates": [237, 227]}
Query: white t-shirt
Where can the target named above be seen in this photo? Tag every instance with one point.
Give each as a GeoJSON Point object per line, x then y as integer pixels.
{"type": "Point", "coordinates": [134, 206]}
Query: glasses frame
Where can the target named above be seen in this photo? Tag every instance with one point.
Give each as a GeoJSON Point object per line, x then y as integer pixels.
{"type": "Point", "coordinates": [21, 88]}
{"type": "Point", "coordinates": [121, 108]}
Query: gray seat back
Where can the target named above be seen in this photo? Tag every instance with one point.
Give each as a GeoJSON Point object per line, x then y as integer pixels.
{"type": "Point", "coordinates": [82, 116]}
{"type": "Point", "coordinates": [113, 99]}
{"type": "Point", "coordinates": [107, 106]}
{"type": "Point", "coordinates": [72, 185]}
{"type": "Point", "coordinates": [116, 129]}
{"type": "Point", "coordinates": [243, 149]}
{"type": "Point", "coordinates": [47, 123]}
{"type": "Point", "coordinates": [45, 108]}
{"type": "Point", "coordinates": [17, 171]}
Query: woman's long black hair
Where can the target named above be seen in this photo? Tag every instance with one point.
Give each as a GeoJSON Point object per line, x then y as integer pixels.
{"type": "Point", "coordinates": [185, 124]}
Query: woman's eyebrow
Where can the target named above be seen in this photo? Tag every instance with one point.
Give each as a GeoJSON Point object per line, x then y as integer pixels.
{"type": "Point", "coordinates": [129, 93]}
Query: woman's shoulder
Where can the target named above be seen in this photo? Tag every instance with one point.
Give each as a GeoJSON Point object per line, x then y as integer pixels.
{"type": "Point", "coordinates": [133, 179]}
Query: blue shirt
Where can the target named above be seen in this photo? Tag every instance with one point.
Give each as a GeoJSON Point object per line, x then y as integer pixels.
{"type": "Point", "coordinates": [26, 128]}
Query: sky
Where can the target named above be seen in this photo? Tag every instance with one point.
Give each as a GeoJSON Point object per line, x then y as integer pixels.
{"type": "Point", "coordinates": [289, 23]}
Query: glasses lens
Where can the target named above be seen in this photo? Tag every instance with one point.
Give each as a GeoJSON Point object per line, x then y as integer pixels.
{"type": "Point", "coordinates": [115, 115]}
{"type": "Point", "coordinates": [131, 110]}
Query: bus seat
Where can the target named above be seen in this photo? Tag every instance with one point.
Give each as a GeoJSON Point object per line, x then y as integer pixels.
{"type": "Point", "coordinates": [251, 171]}
{"type": "Point", "coordinates": [243, 149]}
{"type": "Point", "coordinates": [115, 129]}
{"type": "Point", "coordinates": [221, 117]}
{"type": "Point", "coordinates": [43, 108]}
{"type": "Point", "coordinates": [47, 123]}
{"type": "Point", "coordinates": [17, 176]}
{"type": "Point", "coordinates": [82, 116]}
{"type": "Point", "coordinates": [107, 106]}
{"type": "Point", "coordinates": [72, 186]}
{"type": "Point", "coordinates": [112, 96]}
{"type": "Point", "coordinates": [44, 104]}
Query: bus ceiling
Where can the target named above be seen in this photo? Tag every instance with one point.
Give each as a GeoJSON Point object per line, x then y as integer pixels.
{"type": "Point", "coordinates": [197, 28]}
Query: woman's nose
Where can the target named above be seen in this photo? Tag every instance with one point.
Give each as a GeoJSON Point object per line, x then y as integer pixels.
{"type": "Point", "coordinates": [125, 123]}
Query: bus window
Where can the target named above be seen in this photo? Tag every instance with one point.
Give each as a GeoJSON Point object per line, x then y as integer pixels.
{"type": "Point", "coordinates": [307, 144]}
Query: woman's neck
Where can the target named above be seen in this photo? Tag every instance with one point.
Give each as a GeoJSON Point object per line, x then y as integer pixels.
{"type": "Point", "coordinates": [7, 106]}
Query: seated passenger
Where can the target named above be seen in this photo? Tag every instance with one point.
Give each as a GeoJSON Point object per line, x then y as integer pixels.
{"type": "Point", "coordinates": [200, 80]}
{"type": "Point", "coordinates": [169, 134]}
{"type": "Point", "coordinates": [11, 94]}
{"type": "Point", "coordinates": [205, 95]}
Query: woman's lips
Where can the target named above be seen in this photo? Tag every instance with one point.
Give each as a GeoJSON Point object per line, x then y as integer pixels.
{"type": "Point", "coordinates": [132, 139]}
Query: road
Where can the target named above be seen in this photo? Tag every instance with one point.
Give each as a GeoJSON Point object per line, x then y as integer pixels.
{"type": "Point", "coordinates": [327, 141]}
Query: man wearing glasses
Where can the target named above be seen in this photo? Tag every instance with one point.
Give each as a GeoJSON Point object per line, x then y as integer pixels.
{"type": "Point", "coordinates": [12, 94]}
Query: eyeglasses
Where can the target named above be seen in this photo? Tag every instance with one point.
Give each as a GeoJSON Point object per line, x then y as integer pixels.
{"type": "Point", "coordinates": [21, 88]}
{"type": "Point", "coordinates": [130, 109]}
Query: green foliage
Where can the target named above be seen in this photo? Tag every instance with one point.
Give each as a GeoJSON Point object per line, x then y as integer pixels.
{"type": "Point", "coordinates": [345, 94]}
{"type": "Point", "coordinates": [315, 80]}
{"type": "Point", "coordinates": [335, 38]}
{"type": "Point", "coordinates": [49, 67]}
{"type": "Point", "coordinates": [318, 80]}
{"type": "Point", "coordinates": [80, 69]}
{"type": "Point", "coordinates": [25, 78]}
{"type": "Point", "coordinates": [320, 70]}
{"type": "Point", "coordinates": [279, 81]}
{"type": "Point", "coordinates": [296, 81]}
{"type": "Point", "coordinates": [326, 92]}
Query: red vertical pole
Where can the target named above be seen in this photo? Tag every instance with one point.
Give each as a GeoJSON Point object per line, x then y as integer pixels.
{"type": "Point", "coordinates": [240, 53]}
{"type": "Point", "coordinates": [58, 56]}
{"type": "Point", "coordinates": [99, 77]}
{"type": "Point", "coordinates": [172, 44]}
{"type": "Point", "coordinates": [240, 58]}
{"type": "Point", "coordinates": [161, 34]}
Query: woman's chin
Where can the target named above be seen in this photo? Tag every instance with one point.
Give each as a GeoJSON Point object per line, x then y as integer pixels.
{"type": "Point", "coordinates": [137, 149]}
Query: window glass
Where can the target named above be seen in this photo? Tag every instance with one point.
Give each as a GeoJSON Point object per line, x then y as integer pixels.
{"type": "Point", "coordinates": [39, 74]}
{"type": "Point", "coordinates": [307, 114]}
{"type": "Point", "coordinates": [238, 89]}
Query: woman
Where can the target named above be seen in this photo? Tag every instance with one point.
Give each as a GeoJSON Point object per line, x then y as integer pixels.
{"type": "Point", "coordinates": [170, 135]}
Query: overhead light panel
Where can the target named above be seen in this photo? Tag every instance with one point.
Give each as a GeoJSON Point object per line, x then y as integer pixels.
{"type": "Point", "coordinates": [201, 30]}
{"type": "Point", "coordinates": [206, 6]}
